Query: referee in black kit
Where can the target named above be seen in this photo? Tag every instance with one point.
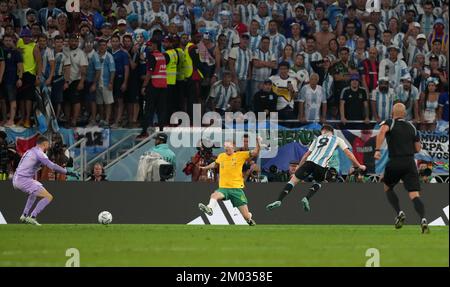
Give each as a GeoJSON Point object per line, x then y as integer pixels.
{"type": "Point", "coordinates": [403, 141]}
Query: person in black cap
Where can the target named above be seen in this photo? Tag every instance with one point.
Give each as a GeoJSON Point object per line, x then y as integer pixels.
{"type": "Point", "coordinates": [315, 163]}
{"type": "Point", "coordinates": [265, 100]}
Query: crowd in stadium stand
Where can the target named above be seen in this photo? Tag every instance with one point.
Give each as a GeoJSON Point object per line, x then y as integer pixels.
{"type": "Point", "coordinates": [133, 63]}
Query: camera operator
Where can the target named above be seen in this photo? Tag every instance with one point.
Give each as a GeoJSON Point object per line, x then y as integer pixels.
{"type": "Point", "coordinates": [203, 157]}
{"type": "Point", "coordinates": [57, 153]}
{"type": "Point", "coordinates": [357, 175]}
{"type": "Point", "coordinates": [425, 170]}
{"type": "Point", "coordinates": [276, 175]}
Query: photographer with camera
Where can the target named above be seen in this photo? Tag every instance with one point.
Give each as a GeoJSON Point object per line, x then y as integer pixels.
{"type": "Point", "coordinates": [357, 175]}
{"type": "Point", "coordinates": [425, 170]}
{"type": "Point", "coordinates": [203, 157]}
{"type": "Point", "coordinates": [58, 154]}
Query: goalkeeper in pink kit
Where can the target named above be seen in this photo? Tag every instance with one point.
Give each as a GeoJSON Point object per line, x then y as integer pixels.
{"type": "Point", "coordinates": [23, 179]}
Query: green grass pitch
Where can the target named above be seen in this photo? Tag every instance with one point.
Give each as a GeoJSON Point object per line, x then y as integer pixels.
{"type": "Point", "coordinates": [183, 245]}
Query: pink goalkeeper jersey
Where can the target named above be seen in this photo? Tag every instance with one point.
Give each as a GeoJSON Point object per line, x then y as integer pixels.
{"type": "Point", "coordinates": [31, 162]}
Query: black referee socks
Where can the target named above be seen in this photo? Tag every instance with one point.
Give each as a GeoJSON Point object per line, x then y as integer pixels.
{"type": "Point", "coordinates": [393, 200]}
{"type": "Point", "coordinates": [419, 207]}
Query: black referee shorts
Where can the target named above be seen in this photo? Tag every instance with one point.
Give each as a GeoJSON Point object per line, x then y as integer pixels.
{"type": "Point", "coordinates": [402, 169]}
{"type": "Point", "coordinates": [309, 168]}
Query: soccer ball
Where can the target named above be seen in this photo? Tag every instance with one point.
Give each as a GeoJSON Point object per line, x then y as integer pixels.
{"type": "Point", "coordinates": [105, 217]}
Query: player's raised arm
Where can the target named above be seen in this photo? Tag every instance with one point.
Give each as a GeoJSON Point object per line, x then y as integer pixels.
{"type": "Point", "coordinates": [255, 152]}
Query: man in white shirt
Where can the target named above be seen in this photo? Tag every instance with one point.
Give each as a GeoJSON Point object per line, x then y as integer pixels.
{"type": "Point", "coordinates": [311, 100]}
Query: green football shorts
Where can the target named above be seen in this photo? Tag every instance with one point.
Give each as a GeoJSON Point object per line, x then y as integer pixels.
{"type": "Point", "coordinates": [236, 195]}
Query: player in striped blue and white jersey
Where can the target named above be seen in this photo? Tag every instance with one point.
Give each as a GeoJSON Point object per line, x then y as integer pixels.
{"type": "Point", "coordinates": [315, 163]}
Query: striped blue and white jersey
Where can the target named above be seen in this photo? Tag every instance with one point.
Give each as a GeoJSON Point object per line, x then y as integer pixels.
{"type": "Point", "coordinates": [297, 44]}
{"type": "Point", "coordinates": [255, 41]}
{"type": "Point", "coordinates": [311, 57]}
{"type": "Point", "coordinates": [277, 44]}
{"type": "Point", "coordinates": [261, 74]}
{"type": "Point", "coordinates": [384, 102]}
{"type": "Point", "coordinates": [323, 147]}
{"type": "Point", "coordinates": [242, 61]}
{"type": "Point", "coordinates": [47, 56]}
{"type": "Point", "coordinates": [140, 8]}
{"type": "Point", "coordinates": [263, 23]}
{"type": "Point", "coordinates": [231, 35]}
{"type": "Point", "coordinates": [61, 61]}
{"type": "Point", "coordinates": [247, 12]}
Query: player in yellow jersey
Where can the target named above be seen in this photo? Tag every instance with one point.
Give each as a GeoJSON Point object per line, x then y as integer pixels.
{"type": "Point", "coordinates": [231, 180]}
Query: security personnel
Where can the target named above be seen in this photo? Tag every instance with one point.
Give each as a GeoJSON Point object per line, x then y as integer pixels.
{"type": "Point", "coordinates": [403, 141]}
{"type": "Point", "coordinates": [192, 72]}
{"type": "Point", "coordinates": [154, 89]}
{"type": "Point", "coordinates": [180, 103]}
{"type": "Point", "coordinates": [171, 68]}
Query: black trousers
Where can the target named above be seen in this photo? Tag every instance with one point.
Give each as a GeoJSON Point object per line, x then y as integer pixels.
{"type": "Point", "coordinates": [193, 97]}
{"type": "Point", "coordinates": [155, 101]}
{"type": "Point", "coordinates": [172, 100]}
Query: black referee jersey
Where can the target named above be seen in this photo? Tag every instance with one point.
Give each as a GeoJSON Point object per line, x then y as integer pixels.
{"type": "Point", "coordinates": [401, 139]}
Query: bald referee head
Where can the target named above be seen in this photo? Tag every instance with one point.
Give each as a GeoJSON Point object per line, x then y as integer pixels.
{"type": "Point", "coordinates": [399, 111]}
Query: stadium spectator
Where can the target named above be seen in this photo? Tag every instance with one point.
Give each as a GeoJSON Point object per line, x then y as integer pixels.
{"type": "Point", "coordinates": [106, 81]}
{"type": "Point", "coordinates": [393, 67]}
{"type": "Point", "coordinates": [263, 62]}
{"type": "Point", "coordinates": [354, 103]}
{"type": "Point", "coordinates": [341, 71]}
{"type": "Point", "coordinates": [121, 78]}
{"type": "Point", "coordinates": [429, 103]}
{"type": "Point", "coordinates": [298, 70]}
{"type": "Point", "coordinates": [98, 173]}
{"type": "Point", "coordinates": [296, 40]}
{"type": "Point", "coordinates": [265, 100]}
{"type": "Point", "coordinates": [443, 107]}
{"type": "Point", "coordinates": [312, 101]}
{"type": "Point", "coordinates": [382, 100]}
{"type": "Point", "coordinates": [408, 95]}
{"type": "Point", "coordinates": [436, 50]}
{"type": "Point", "coordinates": [72, 95]}
{"type": "Point", "coordinates": [368, 70]}
{"type": "Point", "coordinates": [32, 66]}
{"type": "Point", "coordinates": [311, 54]}
{"type": "Point", "coordinates": [221, 93]}
{"type": "Point", "coordinates": [239, 62]}
{"type": "Point", "coordinates": [12, 79]}
{"type": "Point", "coordinates": [285, 88]}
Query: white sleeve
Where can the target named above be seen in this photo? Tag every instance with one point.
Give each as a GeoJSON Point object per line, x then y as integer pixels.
{"type": "Point", "coordinates": [312, 146]}
{"type": "Point", "coordinates": [341, 143]}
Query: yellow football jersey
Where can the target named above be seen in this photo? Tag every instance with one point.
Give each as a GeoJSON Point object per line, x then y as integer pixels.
{"type": "Point", "coordinates": [230, 172]}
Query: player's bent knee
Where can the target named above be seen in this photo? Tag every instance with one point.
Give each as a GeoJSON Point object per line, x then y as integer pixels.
{"type": "Point", "coordinates": [413, 194]}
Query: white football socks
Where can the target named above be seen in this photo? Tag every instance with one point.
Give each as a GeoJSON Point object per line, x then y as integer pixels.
{"type": "Point", "coordinates": [212, 203]}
